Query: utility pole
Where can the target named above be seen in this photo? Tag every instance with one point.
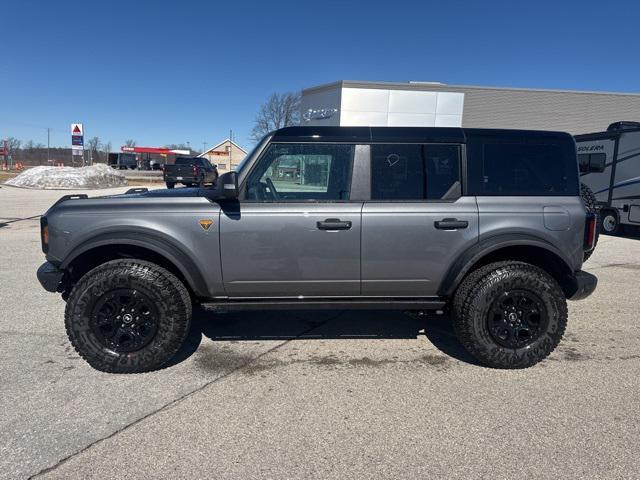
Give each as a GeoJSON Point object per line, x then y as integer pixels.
{"type": "Point", "coordinates": [204, 147]}
{"type": "Point", "coordinates": [48, 144]}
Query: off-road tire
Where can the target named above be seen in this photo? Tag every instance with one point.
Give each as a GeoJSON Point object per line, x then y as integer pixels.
{"type": "Point", "coordinates": [170, 299]}
{"type": "Point", "coordinates": [591, 204]}
{"type": "Point", "coordinates": [467, 285]}
{"type": "Point", "coordinates": [471, 322]}
{"type": "Point", "coordinates": [170, 185]}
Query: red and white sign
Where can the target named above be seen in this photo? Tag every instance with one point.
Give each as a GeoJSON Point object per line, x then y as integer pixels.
{"type": "Point", "coordinates": [161, 151]}
{"type": "Point", "coordinates": [77, 129]}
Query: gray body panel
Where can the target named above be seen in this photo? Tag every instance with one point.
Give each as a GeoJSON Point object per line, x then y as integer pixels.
{"type": "Point", "coordinates": [557, 222]}
{"type": "Point", "coordinates": [276, 249]}
{"type": "Point", "coordinates": [403, 254]}
{"type": "Point", "coordinates": [170, 223]}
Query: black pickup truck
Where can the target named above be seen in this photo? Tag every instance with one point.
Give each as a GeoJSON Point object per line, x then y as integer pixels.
{"type": "Point", "coordinates": [190, 171]}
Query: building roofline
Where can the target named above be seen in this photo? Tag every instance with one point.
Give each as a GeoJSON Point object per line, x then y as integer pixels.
{"type": "Point", "coordinates": [222, 142]}
{"type": "Point", "coordinates": [444, 86]}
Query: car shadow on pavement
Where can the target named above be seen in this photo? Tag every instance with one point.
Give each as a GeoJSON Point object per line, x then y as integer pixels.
{"type": "Point", "coordinates": [322, 325]}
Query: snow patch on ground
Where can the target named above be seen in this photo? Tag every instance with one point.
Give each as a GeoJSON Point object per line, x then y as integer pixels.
{"type": "Point", "coordinates": [95, 176]}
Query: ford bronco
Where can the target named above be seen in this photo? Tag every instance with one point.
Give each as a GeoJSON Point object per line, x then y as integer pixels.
{"type": "Point", "coordinates": [486, 225]}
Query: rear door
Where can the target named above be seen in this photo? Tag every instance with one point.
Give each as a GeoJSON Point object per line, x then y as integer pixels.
{"type": "Point", "coordinates": [417, 222]}
{"type": "Point", "coordinates": [295, 233]}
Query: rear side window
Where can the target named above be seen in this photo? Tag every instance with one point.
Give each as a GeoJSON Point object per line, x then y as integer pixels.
{"type": "Point", "coordinates": [415, 172]}
{"type": "Point", "coordinates": [522, 167]}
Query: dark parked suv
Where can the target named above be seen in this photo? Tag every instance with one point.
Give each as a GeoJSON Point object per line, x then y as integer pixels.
{"type": "Point", "coordinates": [488, 225]}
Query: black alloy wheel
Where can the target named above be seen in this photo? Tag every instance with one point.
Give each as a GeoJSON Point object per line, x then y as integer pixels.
{"type": "Point", "coordinates": [124, 320]}
{"type": "Point", "coordinates": [517, 318]}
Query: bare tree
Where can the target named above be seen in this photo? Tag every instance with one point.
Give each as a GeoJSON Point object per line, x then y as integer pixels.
{"type": "Point", "coordinates": [130, 143]}
{"type": "Point", "coordinates": [93, 144]}
{"type": "Point", "coordinates": [29, 145]}
{"type": "Point", "coordinates": [178, 146]}
{"type": "Point", "coordinates": [13, 143]}
{"type": "Point", "coordinates": [280, 110]}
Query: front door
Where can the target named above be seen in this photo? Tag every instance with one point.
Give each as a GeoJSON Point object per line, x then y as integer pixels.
{"type": "Point", "coordinates": [294, 232]}
{"type": "Point", "coordinates": [417, 222]}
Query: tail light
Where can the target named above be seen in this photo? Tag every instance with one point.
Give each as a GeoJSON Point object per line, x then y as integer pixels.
{"type": "Point", "coordinates": [44, 234]}
{"type": "Point", "coordinates": [196, 171]}
{"type": "Point", "coordinates": [590, 232]}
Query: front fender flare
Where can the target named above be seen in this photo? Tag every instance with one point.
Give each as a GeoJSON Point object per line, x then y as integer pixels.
{"type": "Point", "coordinates": [159, 245]}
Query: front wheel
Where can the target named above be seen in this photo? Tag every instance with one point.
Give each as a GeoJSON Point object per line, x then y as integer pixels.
{"type": "Point", "coordinates": [513, 317]}
{"type": "Point", "coordinates": [128, 316]}
{"type": "Point", "coordinates": [170, 185]}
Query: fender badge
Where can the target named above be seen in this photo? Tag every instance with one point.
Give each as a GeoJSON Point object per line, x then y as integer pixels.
{"type": "Point", "coordinates": [205, 224]}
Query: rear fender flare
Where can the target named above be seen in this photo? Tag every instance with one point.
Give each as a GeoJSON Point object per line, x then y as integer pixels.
{"type": "Point", "coordinates": [465, 262]}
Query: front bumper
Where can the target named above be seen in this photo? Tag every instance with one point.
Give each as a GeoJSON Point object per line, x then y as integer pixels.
{"type": "Point", "coordinates": [583, 285]}
{"type": "Point", "coordinates": [50, 276]}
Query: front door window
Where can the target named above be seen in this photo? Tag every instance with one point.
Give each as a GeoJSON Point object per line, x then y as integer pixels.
{"type": "Point", "coordinates": [302, 171]}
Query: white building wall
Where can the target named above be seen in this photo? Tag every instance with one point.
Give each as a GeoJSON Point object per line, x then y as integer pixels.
{"type": "Point", "coordinates": [377, 107]}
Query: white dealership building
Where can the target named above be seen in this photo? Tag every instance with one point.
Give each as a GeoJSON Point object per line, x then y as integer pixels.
{"type": "Point", "coordinates": [432, 104]}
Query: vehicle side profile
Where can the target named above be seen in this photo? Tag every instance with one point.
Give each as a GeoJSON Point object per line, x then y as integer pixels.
{"type": "Point", "coordinates": [487, 225]}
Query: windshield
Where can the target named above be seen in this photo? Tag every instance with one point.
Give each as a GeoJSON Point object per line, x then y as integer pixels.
{"type": "Point", "coordinates": [249, 155]}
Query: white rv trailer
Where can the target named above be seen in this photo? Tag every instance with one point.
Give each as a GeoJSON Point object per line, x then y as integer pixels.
{"type": "Point", "coordinates": [610, 166]}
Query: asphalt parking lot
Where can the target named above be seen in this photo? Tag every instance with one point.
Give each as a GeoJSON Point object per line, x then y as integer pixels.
{"type": "Point", "coordinates": [316, 395]}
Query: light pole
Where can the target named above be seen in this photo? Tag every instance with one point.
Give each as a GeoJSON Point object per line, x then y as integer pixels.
{"type": "Point", "coordinates": [48, 145]}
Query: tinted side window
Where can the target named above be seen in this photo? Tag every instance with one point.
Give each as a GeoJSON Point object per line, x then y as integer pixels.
{"type": "Point", "coordinates": [522, 167]}
{"type": "Point", "coordinates": [304, 171]}
{"type": "Point", "coordinates": [415, 172]}
{"type": "Point", "coordinates": [592, 162]}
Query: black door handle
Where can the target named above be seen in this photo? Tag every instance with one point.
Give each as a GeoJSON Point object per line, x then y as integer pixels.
{"type": "Point", "coordinates": [450, 224]}
{"type": "Point", "coordinates": [334, 224]}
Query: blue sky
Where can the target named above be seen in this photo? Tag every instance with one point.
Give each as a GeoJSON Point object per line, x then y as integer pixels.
{"type": "Point", "coordinates": [175, 72]}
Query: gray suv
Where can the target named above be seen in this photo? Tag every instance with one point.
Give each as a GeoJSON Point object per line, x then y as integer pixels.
{"type": "Point", "coordinates": [488, 225]}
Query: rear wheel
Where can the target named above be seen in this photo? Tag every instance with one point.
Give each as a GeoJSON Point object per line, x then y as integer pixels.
{"type": "Point", "coordinates": [609, 222]}
{"type": "Point", "coordinates": [513, 317]}
{"type": "Point", "coordinates": [128, 316]}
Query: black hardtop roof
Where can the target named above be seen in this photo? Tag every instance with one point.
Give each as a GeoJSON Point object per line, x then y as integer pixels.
{"type": "Point", "coordinates": [401, 134]}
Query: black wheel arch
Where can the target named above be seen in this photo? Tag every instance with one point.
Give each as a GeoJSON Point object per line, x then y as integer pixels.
{"type": "Point", "coordinates": [520, 247]}
{"type": "Point", "coordinates": [144, 246]}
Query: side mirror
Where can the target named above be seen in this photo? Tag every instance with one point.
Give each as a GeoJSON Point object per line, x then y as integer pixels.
{"type": "Point", "coordinates": [229, 184]}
